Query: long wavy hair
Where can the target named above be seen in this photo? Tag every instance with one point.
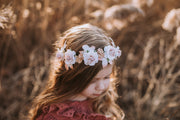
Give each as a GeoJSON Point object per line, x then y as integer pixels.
{"type": "Point", "coordinates": [63, 84]}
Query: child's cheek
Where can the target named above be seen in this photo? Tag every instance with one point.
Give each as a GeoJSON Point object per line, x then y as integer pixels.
{"type": "Point", "coordinates": [91, 87]}
{"type": "Point", "coordinates": [107, 82]}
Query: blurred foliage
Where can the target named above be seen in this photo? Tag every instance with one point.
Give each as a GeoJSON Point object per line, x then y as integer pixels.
{"type": "Point", "coordinates": [147, 32]}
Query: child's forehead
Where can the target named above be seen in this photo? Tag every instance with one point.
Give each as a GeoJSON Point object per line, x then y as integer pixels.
{"type": "Point", "coordinates": [104, 72]}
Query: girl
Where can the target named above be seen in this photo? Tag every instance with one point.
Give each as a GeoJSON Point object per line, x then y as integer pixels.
{"type": "Point", "coordinates": [81, 84]}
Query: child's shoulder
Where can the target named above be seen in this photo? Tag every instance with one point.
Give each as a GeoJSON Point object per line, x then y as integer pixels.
{"type": "Point", "coordinates": [63, 106]}
{"type": "Point", "coordinates": [69, 110]}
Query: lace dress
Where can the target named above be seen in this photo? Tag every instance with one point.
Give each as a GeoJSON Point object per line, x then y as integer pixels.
{"type": "Point", "coordinates": [70, 110]}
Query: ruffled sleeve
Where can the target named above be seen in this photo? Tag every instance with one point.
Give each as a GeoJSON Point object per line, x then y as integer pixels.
{"type": "Point", "coordinates": [70, 111]}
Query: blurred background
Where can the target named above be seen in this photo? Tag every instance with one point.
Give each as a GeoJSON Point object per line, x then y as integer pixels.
{"type": "Point", "coordinates": [147, 31]}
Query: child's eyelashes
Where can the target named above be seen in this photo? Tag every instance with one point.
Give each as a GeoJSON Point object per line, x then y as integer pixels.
{"type": "Point", "coordinates": [96, 79]}
{"type": "Point", "coordinates": [107, 77]}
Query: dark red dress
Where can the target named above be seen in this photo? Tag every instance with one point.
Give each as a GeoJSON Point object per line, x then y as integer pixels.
{"type": "Point", "coordinates": [70, 110]}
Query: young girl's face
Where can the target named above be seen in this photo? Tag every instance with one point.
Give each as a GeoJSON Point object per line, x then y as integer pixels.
{"type": "Point", "coordinates": [98, 85]}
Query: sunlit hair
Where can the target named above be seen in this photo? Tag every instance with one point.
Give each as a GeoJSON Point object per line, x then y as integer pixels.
{"type": "Point", "coordinates": [63, 84]}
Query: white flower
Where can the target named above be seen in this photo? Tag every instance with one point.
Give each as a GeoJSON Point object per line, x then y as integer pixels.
{"type": "Point", "coordinates": [70, 58]}
{"type": "Point", "coordinates": [118, 52]}
{"type": "Point", "coordinates": [90, 58]}
{"type": "Point", "coordinates": [89, 55]}
{"type": "Point", "coordinates": [110, 52]}
{"type": "Point", "coordinates": [60, 54]}
{"type": "Point", "coordinates": [86, 48]}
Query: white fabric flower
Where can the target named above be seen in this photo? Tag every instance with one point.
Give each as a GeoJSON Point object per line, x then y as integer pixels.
{"type": "Point", "coordinates": [70, 58]}
{"type": "Point", "coordinates": [118, 52]}
{"type": "Point", "coordinates": [90, 58]}
{"type": "Point", "coordinates": [86, 48]}
{"type": "Point", "coordinates": [60, 54]}
{"type": "Point", "coordinates": [110, 52]}
{"type": "Point", "coordinates": [89, 55]}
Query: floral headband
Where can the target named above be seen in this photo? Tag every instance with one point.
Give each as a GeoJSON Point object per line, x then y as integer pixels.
{"type": "Point", "coordinates": [89, 55]}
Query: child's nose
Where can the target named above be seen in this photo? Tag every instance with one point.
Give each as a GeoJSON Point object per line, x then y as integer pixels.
{"type": "Point", "coordinates": [100, 86]}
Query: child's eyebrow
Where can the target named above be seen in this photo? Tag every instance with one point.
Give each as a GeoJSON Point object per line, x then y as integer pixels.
{"type": "Point", "coordinates": [105, 76]}
{"type": "Point", "coordinates": [108, 75]}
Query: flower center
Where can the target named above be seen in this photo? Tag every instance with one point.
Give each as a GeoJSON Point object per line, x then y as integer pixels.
{"type": "Point", "coordinates": [91, 58]}
{"type": "Point", "coordinates": [112, 52]}
{"type": "Point", "coordinates": [68, 58]}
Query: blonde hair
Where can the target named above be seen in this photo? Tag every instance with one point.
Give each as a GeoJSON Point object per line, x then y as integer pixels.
{"type": "Point", "coordinates": [78, 78]}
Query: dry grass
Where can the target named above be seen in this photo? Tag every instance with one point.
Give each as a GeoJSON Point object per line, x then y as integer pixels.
{"type": "Point", "coordinates": [148, 69]}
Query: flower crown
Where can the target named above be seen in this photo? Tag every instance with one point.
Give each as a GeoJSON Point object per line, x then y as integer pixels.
{"type": "Point", "coordinates": [89, 55]}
